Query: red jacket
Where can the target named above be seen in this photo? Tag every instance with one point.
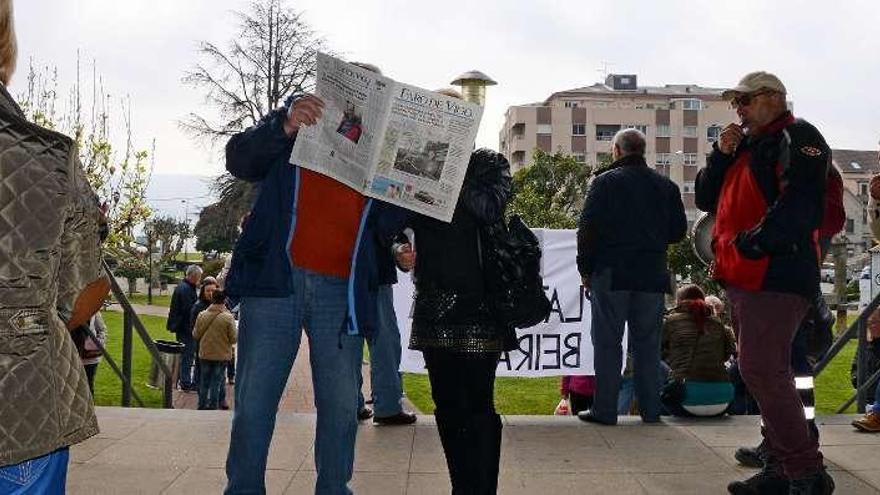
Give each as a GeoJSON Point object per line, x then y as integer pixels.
{"type": "Point", "coordinates": [768, 199]}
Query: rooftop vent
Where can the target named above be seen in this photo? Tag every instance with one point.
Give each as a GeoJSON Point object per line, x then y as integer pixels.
{"type": "Point", "coordinates": [623, 82]}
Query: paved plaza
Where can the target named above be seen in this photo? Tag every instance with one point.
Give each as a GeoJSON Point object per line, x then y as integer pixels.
{"type": "Point", "coordinates": [154, 451]}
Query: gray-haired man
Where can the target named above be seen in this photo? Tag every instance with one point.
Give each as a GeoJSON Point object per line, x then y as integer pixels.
{"type": "Point", "coordinates": [630, 216]}
{"type": "Point", "coordinates": [185, 295]}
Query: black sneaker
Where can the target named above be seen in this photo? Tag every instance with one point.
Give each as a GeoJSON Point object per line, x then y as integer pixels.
{"type": "Point", "coordinates": [820, 483]}
{"type": "Point", "coordinates": [753, 457]}
{"type": "Point", "coordinates": [769, 481]}
{"type": "Point", "coordinates": [401, 418]}
{"type": "Point", "coordinates": [365, 414]}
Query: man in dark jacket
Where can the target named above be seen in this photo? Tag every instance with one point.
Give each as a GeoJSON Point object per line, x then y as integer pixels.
{"type": "Point", "coordinates": [630, 216]}
{"type": "Point", "coordinates": [765, 181]}
{"type": "Point", "coordinates": [305, 260]}
{"type": "Point", "coordinates": [182, 300]}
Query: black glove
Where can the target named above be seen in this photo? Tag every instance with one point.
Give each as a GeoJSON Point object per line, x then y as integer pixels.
{"type": "Point", "coordinates": [748, 247]}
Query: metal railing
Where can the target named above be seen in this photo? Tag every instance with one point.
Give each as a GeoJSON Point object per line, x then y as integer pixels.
{"type": "Point", "coordinates": [857, 330]}
{"type": "Point", "coordinates": [131, 323]}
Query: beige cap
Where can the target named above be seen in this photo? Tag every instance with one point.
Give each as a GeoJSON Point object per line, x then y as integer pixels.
{"type": "Point", "coordinates": [754, 82]}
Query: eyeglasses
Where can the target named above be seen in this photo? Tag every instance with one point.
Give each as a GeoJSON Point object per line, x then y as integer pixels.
{"type": "Point", "coordinates": [745, 99]}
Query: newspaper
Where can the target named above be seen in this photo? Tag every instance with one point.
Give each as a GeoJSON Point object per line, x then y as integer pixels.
{"type": "Point", "coordinates": [388, 140]}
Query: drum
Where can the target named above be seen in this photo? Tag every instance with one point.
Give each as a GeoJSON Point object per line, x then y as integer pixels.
{"type": "Point", "coordinates": [701, 236]}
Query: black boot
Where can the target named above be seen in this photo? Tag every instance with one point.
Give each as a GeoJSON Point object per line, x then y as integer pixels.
{"type": "Point", "coordinates": [453, 430]}
{"type": "Point", "coordinates": [769, 481]}
{"type": "Point", "coordinates": [753, 457]}
{"type": "Point", "coordinates": [820, 483]}
{"type": "Point", "coordinates": [484, 453]}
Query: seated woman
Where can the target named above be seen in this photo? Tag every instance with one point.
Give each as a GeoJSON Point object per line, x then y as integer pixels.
{"type": "Point", "coordinates": [695, 346]}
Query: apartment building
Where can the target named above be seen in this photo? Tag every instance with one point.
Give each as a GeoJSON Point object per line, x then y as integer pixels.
{"type": "Point", "coordinates": [681, 121]}
{"type": "Point", "coordinates": [856, 168]}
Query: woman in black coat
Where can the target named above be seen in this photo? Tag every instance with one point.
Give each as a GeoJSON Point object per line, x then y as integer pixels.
{"type": "Point", "coordinates": [454, 329]}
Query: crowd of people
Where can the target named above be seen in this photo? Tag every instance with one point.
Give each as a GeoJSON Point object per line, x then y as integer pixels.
{"type": "Point", "coordinates": [300, 266]}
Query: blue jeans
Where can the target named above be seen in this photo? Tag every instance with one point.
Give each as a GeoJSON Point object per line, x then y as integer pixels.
{"type": "Point", "coordinates": [269, 336]}
{"type": "Point", "coordinates": [46, 474]}
{"type": "Point", "coordinates": [211, 383]}
{"type": "Point", "coordinates": [628, 392]}
{"type": "Point", "coordinates": [384, 359]}
{"type": "Point", "coordinates": [643, 313]}
{"type": "Point", "coordinates": [187, 360]}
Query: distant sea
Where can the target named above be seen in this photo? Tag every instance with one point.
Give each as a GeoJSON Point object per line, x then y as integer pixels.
{"type": "Point", "coordinates": [180, 195]}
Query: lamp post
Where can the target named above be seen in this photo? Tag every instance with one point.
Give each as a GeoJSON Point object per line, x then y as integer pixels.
{"type": "Point", "coordinates": [185, 238]}
{"type": "Point", "coordinates": [473, 86]}
{"type": "Point", "coordinates": [148, 230]}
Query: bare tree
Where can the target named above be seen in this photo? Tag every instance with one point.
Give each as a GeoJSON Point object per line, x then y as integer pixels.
{"type": "Point", "coordinates": [271, 57]}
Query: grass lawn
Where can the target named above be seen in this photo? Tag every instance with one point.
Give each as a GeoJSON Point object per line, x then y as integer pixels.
{"type": "Point", "coordinates": [108, 387]}
{"type": "Point", "coordinates": [540, 395]}
{"type": "Point", "coordinates": [158, 300]}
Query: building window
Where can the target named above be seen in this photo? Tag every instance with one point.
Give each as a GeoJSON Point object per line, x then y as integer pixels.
{"type": "Point", "coordinates": [713, 132]}
{"type": "Point", "coordinates": [545, 129]}
{"type": "Point", "coordinates": [687, 187]}
{"type": "Point", "coordinates": [639, 127]}
{"type": "Point", "coordinates": [664, 159]}
{"type": "Point", "coordinates": [519, 129]}
{"type": "Point", "coordinates": [689, 131]}
{"type": "Point", "coordinates": [602, 158]}
{"type": "Point", "coordinates": [580, 157]}
{"type": "Point", "coordinates": [571, 104]}
{"type": "Point", "coordinates": [850, 226]}
{"type": "Point", "coordinates": [690, 158]}
{"type": "Point", "coordinates": [519, 157]}
{"type": "Point", "coordinates": [863, 188]}
{"type": "Point", "coordinates": [692, 104]}
{"type": "Point", "coordinates": [606, 132]}
{"type": "Point", "coordinates": [663, 130]}
{"type": "Point", "coordinates": [578, 129]}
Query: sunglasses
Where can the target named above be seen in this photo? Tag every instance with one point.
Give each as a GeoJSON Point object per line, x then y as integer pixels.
{"type": "Point", "coordinates": [746, 99]}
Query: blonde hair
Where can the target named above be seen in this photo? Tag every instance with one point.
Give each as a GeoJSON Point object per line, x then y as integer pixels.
{"type": "Point", "coordinates": [8, 45]}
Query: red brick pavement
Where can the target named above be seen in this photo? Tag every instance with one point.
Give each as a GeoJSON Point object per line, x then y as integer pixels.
{"type": "Point", "coordinates": [298, 396]}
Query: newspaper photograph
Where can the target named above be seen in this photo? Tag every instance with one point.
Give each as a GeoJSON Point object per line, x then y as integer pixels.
{"type": "Point", "coordinates": [341, 144]}
{"type": "Point", "coordinates": [391, 141]}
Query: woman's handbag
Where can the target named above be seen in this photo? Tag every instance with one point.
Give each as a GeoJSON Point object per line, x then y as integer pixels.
{"type": "Point", "coordinates": [511, 258]}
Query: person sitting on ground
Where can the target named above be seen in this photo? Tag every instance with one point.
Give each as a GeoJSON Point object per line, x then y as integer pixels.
{"type": "Point", "coordinates": [215, 332]}
{"type": "Point", "coordinates": [578, 392]}
{"type": "Point", "coordinates": [695, 346]}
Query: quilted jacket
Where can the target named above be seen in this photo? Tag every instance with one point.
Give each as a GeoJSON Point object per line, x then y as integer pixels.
{"type": "Point", "coordinates": [49, 251]}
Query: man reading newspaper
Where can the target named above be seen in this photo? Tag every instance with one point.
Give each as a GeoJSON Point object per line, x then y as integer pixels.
{"type": "Point", "coordinates": [304, 261]}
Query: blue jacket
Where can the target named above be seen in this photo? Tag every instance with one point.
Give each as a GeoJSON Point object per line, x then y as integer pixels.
{"type": "Point", "coordinates": [261, 264]}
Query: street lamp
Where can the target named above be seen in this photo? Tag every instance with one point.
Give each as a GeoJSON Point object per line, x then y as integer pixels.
{"type": "Point", "coordinates": [473, 86]}
{"type": "Point", "coordinates": [185, 237]}
{"type": "Point", "coordinates": [148, 231]}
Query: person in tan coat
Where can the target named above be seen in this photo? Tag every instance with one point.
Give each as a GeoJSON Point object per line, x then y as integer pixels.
{"type": "Point", "coordinates": [215, 332]}
{"type": "Point", "coordinates": [50, 282]}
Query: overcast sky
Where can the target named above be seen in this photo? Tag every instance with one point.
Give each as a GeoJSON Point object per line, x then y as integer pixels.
{"type": "Point", "coordinates": [826, 53]}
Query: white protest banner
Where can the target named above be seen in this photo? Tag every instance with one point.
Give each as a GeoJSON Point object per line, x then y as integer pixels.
{"type": "Point", "coordinates": [559, 346]}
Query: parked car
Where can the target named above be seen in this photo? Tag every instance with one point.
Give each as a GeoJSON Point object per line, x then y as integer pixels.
{"type": "Point", "coordinates": [826, 273]}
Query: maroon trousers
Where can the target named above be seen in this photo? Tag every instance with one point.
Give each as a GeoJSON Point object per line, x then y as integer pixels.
{"type": "Point", "coordinates": [766, 324]}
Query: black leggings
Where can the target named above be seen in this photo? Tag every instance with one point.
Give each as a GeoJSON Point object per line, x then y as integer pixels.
{"type": "Point", "coordinates": [463, 385]}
